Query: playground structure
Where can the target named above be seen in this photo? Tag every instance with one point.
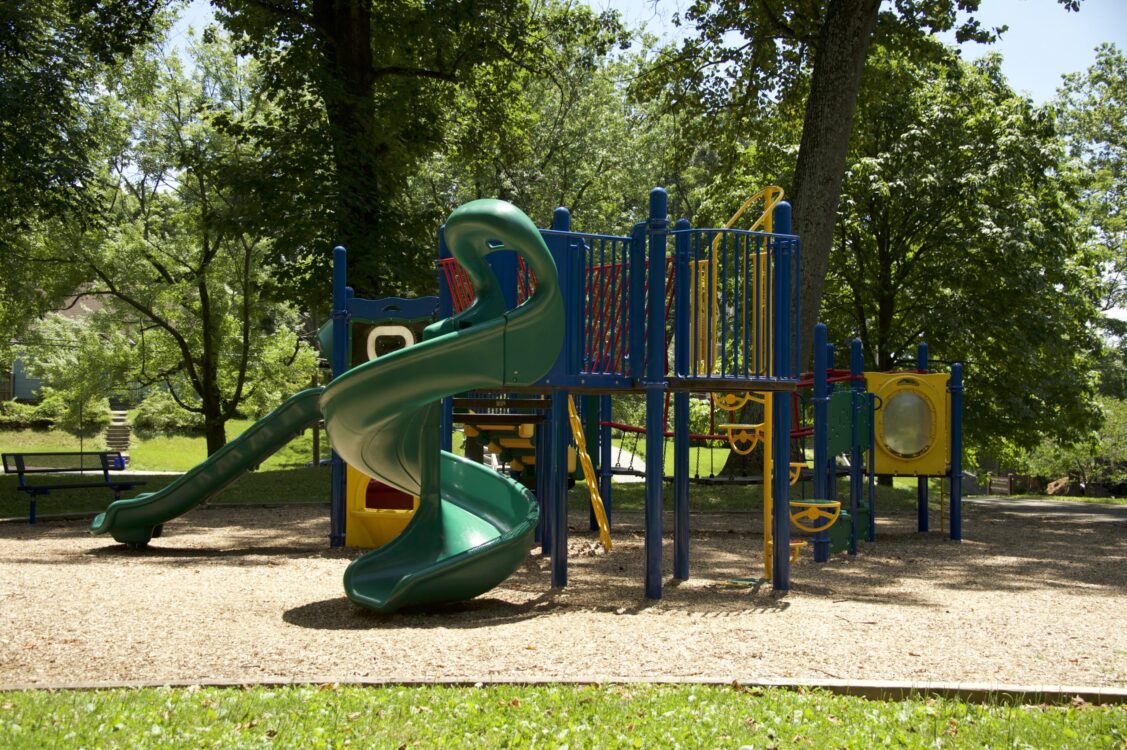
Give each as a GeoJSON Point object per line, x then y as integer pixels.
{"type": "Point", "coordinates": [515, 342]}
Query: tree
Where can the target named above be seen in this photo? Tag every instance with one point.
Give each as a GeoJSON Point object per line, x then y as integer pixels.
{"type": "Point", "coordinates": [1100, 456]}
{"type": "Point", "coordinates": [562, 133]}
{"type": "Point", "coordinates": [809, 55]}
{"type": "Point", "coordinates": [184, 283]}
{"type": "Point", "coordinates": [378, 108]}
{"type": "Point", "coordinates": [57, 55]}
{"type": "Point", "coordinates": [956, 215]}
{"type": "Point", "coordinates": [1093, 116]}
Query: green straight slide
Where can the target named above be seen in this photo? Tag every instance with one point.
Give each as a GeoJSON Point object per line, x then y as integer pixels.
{"type": "Point", "coordinates": [136, 520]}
{"type": "Point", "coordinates": [473, 526]}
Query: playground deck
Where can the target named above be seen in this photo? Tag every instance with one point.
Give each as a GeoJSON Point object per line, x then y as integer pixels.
{"type": "Point", "coordinates": [252, 593]}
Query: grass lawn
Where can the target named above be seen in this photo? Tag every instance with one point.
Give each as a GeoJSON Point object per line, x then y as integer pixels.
{"type": "Point", "coordinates": [631, 716]}
{"type": "Point", "coordinates": [265, 486]}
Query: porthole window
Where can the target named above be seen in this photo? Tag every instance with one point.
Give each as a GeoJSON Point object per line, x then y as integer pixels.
{"type": "Point", "coordinates": [908, 424]}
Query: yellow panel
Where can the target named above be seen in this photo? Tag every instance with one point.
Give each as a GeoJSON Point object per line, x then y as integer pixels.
{"type": "Point", "coordinates": [916, 438]}
{"type": "Point", "coordinates": [369, 528]}
{"type": "Point", "coordinates": [526, 430]}
{"type": "Point", "coordinates": [515, 443]}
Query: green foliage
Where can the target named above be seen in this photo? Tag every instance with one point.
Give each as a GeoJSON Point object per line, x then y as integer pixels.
{"type": "Point", "coordinates": [158, 413]}
{"type": "Point", "coordinates": [356, 117]}
{"type": "Point", "coordinates": [14, 415]}
{"type": "Point", "coordinates": [70, 412]}
{"type": "Point", "coordinates": [553, 130]}
{"type": "Point", "coordinates": [956, 213]}
{"type": "Point", "coordinates": [1093, 115]}
{"type": "Point", "coordinates": [542, 715]}
{"type": "Point", "coordinates": [183, 280]}
{"type": "Point", "coordinates": [1099, 457]}
{"type": "Point", "coordinates": [58, 56]}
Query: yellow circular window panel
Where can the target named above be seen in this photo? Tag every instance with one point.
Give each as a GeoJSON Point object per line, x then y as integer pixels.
{"type": "Point", "coordinates": [912, 423]}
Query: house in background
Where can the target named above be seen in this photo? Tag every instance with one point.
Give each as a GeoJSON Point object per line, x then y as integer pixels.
{"type": "Point", "coordinates": [16, 384]}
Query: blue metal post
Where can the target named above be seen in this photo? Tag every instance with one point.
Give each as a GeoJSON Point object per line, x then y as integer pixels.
{"type": "Point", "coordinates": [543, 528]}
{"type": "Point", "coordinates": [605, 458]}
{"type": "Point", "coordinates": [856, 370]}
{"type": "Point", "coordinates": [340, 361]}
{"type": "Point", "coordinates": [921, 482]}
{"type": "Point", "coordinates": [681, 336]}
{"type": "Point", "coordinates": [956, 389]}
{"type": "Point", "coordinates": [781, 406]}
{"type": "Point", "coordinates": [870, 404]}
{"type": "Point", "coordinates": [558, 491]}
{"type": "Point", "coordinates": [636, 304]}
{"type": "Point", "coordinates": [655, 387]}
{"type": "Point", "coordinates": [830, 468]}
{"type": "Point", "coordinates": [821, 436]}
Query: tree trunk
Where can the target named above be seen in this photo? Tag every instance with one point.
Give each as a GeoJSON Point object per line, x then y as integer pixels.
{"type": "Point", "coordinates": [349, 97]}
{"type": "Point", "coordinates": [834, 86]}
{"type": "Point", "coordinates": [215, 430]}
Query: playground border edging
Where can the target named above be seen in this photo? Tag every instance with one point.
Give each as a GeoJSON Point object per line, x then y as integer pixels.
{"type": "Point", "coordinates": [973, 692]}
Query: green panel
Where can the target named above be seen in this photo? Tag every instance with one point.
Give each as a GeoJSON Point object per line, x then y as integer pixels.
{"type": "Point", "coordinates": [840, 422]}
{"type": "Point", "coordinates": [133, 521]}
{"type": "Point", "coordinates": [839, 532]}
{"type": "Point", "coordinates": [863, 415]}
{"type": "Point", "coordinates": [849, 421]}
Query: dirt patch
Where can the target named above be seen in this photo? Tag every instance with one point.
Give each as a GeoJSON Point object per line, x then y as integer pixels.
{"type": "Point", "coordinates": [248, 594]}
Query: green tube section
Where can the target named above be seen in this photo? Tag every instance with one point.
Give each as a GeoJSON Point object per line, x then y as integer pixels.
{"type": "Point", "coordinates": [135, 520]}
{"type": "Point", "coordinates": [473, 526]}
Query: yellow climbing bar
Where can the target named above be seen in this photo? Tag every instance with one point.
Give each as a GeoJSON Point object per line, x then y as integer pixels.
{"type": "Point", "coordinates": [589, 473]}
{"type": "Point", "coordinates": [813, 511]}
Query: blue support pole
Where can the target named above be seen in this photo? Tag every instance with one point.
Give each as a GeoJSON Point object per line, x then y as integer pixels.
{"type": "Point", "coordinates": [956, 389]}
{"type": "Point", "coordinates": [681, 335]}
{"type": "Point", "coordinates": [821, 436]}
{"type": "Point", "coordinates": [870, 404]}
{"type": "Point", "coordinates": [921, 482]}
{"type": "Point", "coordinates": [781, 406]}
{"type": "Point", "coordinates": [636, 304]}
{"type": "Point", "coordinates": [829, 469]}
{"type": "Point", "coordinates": [543, 534]}
{"type": "Point", "coordinates": [655, 388]}
{"type": "Point", "coordinates": [605, 457]}
{"type": "Point", "coordinates": [558, 491]}
{"type": "Point", "coordinates": [340, 361]}
{"type": "Point", "coordinates": [856, 370]}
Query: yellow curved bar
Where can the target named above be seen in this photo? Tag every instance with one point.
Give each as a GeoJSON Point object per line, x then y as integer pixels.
{"type": "Point", "coordinates": [796, 468]}
{"type": "Point", "coordinates": [730, 401]}
{"type": "Point", "coordinates": [589, 473]}
{"type": "Point", "coordinates": [814, 510]}
{"type": "Point", "coordinates": [741, 434]}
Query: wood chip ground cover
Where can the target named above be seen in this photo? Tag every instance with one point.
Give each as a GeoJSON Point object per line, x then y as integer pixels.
{"type": "Point", "coordinates": [250, 593]}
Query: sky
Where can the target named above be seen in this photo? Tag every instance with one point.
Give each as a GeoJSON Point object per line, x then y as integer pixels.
{"type": "Point", "coordinates": [1043, 41]}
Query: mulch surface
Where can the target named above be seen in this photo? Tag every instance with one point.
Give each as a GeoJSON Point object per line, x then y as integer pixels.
{"type": "Point", "coordinates": [252, 594]}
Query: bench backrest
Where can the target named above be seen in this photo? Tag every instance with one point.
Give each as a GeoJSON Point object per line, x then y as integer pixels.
{"type": "Point", "coordinates": [58, 462]}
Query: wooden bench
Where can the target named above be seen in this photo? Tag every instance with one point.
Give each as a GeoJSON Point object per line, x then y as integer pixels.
{"type": "Point", "coordinates": [102, 462]}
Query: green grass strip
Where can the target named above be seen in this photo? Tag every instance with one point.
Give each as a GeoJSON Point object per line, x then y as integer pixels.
{"type": "Point", "coordinates": [613, 716]}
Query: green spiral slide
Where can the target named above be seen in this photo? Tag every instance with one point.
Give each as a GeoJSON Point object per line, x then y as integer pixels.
{"type": "Point", "coordinates": [473, 526]}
